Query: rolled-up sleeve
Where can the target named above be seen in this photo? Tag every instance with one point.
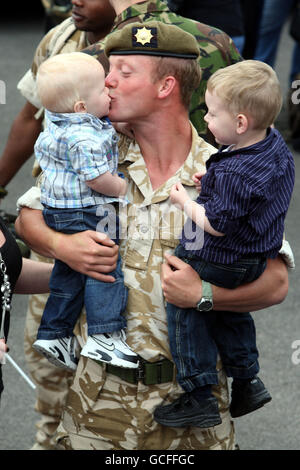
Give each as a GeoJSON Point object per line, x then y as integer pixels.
{"type": "Point", "coordinates": [89, 161]}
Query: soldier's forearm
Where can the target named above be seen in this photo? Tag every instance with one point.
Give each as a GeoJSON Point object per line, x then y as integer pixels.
{"type": "Point", "coordinates": [20, 143]}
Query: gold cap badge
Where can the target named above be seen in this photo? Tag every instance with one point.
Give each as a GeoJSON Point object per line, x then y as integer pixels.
{"type": "Point", "coordinates": [144, 35]}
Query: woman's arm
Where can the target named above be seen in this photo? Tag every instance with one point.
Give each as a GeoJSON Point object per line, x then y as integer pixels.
{"type": "Point", "coordinates": [182, 286]}
{"type": "Point", "coordinates": [91, 253]}
{"type": "Point", "coordinates": [34, 277]}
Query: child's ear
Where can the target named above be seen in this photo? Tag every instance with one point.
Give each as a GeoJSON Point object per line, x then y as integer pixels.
{"type": "Point", "coordinates": [80, 107]}
{"type": "Point", "coordinates": [242, 123]}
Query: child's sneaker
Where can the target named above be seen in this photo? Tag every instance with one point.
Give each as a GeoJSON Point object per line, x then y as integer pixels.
{"type": "Point", "coordinates": [187, 411]}
{"type": "Point", "coordinates": [62, 352]}
{"type": "Point", "coordinates": [110, 348]}
{"type": "Point", "coordinates": [249, 397]}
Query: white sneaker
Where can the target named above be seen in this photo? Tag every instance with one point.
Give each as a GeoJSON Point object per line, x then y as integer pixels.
{"type": "Point", "coordinates": [62, 352]}
{"type": "Point", "coordinates": [110, 348]}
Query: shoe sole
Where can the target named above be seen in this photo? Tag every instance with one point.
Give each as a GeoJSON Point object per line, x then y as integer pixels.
{"type": "Point", "coordinates": [100, 360]}
{"type": "Point", "coordinates": [185, 422]}
{"type": "Point", "coordinates": [256, 406]}
{"type": "Point", "coordinates": [56, 362]}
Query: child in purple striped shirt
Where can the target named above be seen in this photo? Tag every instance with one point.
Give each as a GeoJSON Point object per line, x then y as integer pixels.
{"type": "Point", "coordinates": [237, 223]}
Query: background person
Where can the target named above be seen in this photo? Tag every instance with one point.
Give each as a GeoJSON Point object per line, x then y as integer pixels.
{"type": "Point", "coordinates": [19, 275]}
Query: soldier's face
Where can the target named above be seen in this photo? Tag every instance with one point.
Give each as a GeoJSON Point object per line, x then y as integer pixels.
{"type": "Point", "coordinates": [92, 15]}
{"type": "Point", "coordinates": [131, 88]}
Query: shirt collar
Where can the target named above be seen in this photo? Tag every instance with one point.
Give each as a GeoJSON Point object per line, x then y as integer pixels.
{"type": "Point", "coordinates": [130, 152]}
{"type": "Point", "coordinates": [62, 119]}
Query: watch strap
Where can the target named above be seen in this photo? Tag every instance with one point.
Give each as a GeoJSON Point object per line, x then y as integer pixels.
{"type": "Point", "coordinates": [207, 290]}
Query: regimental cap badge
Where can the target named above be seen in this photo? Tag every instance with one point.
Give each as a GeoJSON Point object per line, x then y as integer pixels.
{"type": "Point", "coordinates": [144, 36]}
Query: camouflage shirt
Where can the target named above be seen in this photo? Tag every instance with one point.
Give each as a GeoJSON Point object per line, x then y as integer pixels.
{"type": "Point", "coordinates": [216, 49]}
{"type": "Point", "coordinates": [99, 402]}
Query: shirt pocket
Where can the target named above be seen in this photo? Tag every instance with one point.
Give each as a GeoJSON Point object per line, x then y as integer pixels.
{"type": "Point", "coordinates": [172, 222]}
{"type": "Point", "coordinates": [137, 254]}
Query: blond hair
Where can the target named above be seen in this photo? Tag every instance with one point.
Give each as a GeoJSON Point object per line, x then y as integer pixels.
{"type": "Point", "coordinates": [64, 79]}
{"type": "Point", "coordinates": [249, 87]}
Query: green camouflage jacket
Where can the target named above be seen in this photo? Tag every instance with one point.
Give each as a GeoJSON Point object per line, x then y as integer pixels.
{"type": "Point", "coordinates": [216, 49]}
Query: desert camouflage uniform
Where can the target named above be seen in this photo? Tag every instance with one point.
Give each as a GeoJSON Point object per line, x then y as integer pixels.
{"type": "Point", "coordinates": [216, 49]}
{"type": "Point", "coordinates": [103, 411]}
{"type": "Point", "coordinates": [52, 382]}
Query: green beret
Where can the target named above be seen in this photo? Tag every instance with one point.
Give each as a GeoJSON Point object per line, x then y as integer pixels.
{"type": "Point", "coordinates": [152, 38]}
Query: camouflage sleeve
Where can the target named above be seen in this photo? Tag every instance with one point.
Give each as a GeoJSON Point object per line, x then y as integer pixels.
{"type": "Point", "coordinates": [42, 51]}
{"type": "Point", "coordinates": [97, 50]}
{"type": "Point", "coordinates": [225, 45]}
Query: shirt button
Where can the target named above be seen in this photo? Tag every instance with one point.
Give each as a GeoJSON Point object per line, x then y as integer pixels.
{"type": "Point", "coordinates": [144, 228]}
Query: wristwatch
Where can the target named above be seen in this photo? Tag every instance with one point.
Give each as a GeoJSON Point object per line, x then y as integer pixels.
{"type": "Point", "coordinates": [205, 304]}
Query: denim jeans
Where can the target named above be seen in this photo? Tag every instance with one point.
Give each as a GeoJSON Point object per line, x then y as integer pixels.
{"type": "Point", "coordinates": [70, 290]}
{"type": "Point", "coordinates": [196, 337]}
{"type": "Point", "coordinates": [274, 15]}
{"type": "Point", "coordinates": [239, 42]}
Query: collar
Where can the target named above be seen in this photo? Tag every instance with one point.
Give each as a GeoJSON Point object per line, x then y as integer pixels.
{"type": "Point", "coordinates": [227, 152]}
{"type": "Point", "coordinates": [130, 153]}
{"type": "Point", "coordinates": [65, 119]}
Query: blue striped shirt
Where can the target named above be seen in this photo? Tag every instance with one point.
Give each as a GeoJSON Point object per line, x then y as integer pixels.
{"type": "Point", "coordinates": [246, 194]}
{"type": "Point", "coordinates": [75, 148]}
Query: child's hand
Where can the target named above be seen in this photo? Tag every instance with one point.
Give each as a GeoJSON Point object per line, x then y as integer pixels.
{"type": "Point", "coordinates": [197, 180]}
{"type": "Point", "coordinates": [178, 195]}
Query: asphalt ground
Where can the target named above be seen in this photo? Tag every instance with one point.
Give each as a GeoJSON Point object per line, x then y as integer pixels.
{"type": "Point", "coordinates": [274, 427]}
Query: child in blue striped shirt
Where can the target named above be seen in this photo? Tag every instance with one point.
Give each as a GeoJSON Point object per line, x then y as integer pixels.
{"type": "Point", "coordinates": [234, 226]}
{"type": "Point", "coordinates": [80, 189]}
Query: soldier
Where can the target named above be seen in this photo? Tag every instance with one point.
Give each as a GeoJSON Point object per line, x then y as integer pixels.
{"type": "Point", "coordinates": [56, 11]}
{"type": "Point", "coordinates": [111, 407]}
{"type": "Point", "coordinates": [217, 49]}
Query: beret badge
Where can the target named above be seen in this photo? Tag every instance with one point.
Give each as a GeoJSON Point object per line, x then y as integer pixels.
{"type": "Point", "coordinates": [144, 36]}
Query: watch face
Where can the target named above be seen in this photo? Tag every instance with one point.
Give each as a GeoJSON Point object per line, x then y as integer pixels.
{"type": "Point", "coordinates": [204, 305]}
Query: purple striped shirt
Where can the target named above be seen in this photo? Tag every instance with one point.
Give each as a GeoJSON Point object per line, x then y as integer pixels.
{"type": "Point", "coordinates": [246, 194]}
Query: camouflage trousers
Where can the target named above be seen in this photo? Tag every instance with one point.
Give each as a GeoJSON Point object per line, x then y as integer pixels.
{"type": "Point", "coordinates": [97, 410]}
{"type": "Point", "coordinates": [52, 383]}
{"type": "Point", "coordinates": [104, 412]}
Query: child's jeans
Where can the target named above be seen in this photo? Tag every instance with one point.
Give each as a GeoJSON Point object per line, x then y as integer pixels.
{"type": "Point", "coordinates": [197, 337]}
{"type": "Point", "coordinates": [70, 290]}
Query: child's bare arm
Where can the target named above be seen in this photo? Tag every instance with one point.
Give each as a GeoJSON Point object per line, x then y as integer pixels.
{"type": "Point", "coordinates": [109, 185]}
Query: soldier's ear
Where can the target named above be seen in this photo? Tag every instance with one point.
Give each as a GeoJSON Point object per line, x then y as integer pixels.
{"type": "Point", "coordinates": [166, 86]}
{"type": "Point", "coordinates": [80, 107]}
